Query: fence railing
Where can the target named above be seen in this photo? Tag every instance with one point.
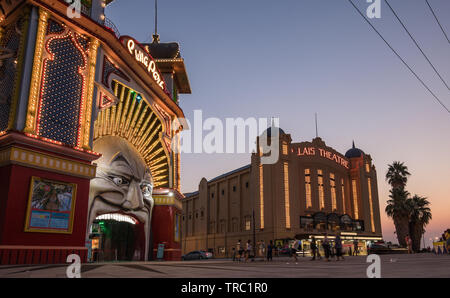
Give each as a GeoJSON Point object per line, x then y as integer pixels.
{"type": "Point", "coordinates": [110, 25]}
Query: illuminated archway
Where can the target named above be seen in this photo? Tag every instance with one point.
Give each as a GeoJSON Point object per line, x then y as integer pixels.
{"type": "Point", "coordinates": [134, 120]}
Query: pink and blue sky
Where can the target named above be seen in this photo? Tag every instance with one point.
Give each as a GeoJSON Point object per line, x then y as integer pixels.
{"type": "Point", "coordinates": [293, 58]}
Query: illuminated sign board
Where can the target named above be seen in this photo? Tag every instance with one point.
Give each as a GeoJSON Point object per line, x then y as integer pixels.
{"type": "Point", "coordinates": [313, 151]}
{"type": "Point", "coordinates": [143, 57]}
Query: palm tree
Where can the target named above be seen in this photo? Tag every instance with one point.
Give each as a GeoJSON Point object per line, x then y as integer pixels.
{"type": "Point", "coordinates": [399, 210]}
{"type": "Point", "coordinates": [397, 174]}
{"type": "Point", "coordinates": [419, 217]}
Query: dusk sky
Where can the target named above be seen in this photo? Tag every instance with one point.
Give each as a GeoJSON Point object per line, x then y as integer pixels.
{"type": "Point", "coordinates": [292, 58]}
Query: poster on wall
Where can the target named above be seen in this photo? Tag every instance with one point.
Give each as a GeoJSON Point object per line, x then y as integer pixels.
{"type": "Point", "coordinates": [51, 206]}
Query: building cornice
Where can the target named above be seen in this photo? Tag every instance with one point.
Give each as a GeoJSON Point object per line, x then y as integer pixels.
{"type": "Point", "coordinates": [13, 138]}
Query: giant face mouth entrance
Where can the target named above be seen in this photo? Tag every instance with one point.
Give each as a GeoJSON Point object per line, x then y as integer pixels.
{"type": "Point", "coordinates": [117, 237]}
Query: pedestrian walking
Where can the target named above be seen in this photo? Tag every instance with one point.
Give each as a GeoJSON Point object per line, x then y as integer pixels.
{"type": "Point", "coordinates": [262, 249]}
{"type": "Point", "coordinates": [294, 249]}
{"type": "Point", "coordinates": [233, 249]}
{"type": "Point", "coordinates": [269, 251]}
{"type": "Point", "coordinates": [408, 241]}
{"type": "Point", "coordinates": [248, 250]}
{"type": "Point", "coordinates": [289, 248]}
{"type": "Point", "coordinates": [314, 249]}
{"type": "Point", "coordinates": [240, 250]}
{"type": "Point", "coordinates": [326, 248]}
{"type": "Point", "coordinates": [355, 247]}
{"type": "Point", "coordinates": [338, 247]}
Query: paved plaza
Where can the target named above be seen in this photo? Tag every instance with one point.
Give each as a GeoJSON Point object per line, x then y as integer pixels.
{"type": "Point", "coordinates": [393, 266]}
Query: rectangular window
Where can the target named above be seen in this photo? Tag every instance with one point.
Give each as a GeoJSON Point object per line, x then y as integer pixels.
{"type": "Point", "coordinates": [248, 224]}
{"type": "Point", "coordinates": [235, 225]}
{"type": "Point", "coordinates": [308, 188]}
{"type": "Point", "coordinates": [369, 184]}
{"type": "Point", "coordinates": [286, 195]}
{"type": "Point", "coordinates": [333, 192]}
{"type": "Point", "coordinates": [321, 193]}
{"type": "Point", "coordinates": [285, 149]}
{"type": "Point", "coordinates": [355, 199]}
{"type": "Point", "coordinates": [343, 196]}
{"type": "Point", "coordinates": [367, 167]}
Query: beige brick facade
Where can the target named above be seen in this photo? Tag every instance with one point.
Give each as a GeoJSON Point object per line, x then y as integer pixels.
{"type": "Point", "coordinates": [343, 197]}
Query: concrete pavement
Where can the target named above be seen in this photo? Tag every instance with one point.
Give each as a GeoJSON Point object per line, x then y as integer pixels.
{"type": "Point", "coordinates": [412, 266]}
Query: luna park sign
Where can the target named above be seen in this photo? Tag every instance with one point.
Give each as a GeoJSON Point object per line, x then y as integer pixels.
{"type": "Point", "coordinates": [142, 56]}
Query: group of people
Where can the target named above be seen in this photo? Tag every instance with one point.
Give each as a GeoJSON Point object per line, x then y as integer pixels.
{"type": "Point", "coordinates": [245, 251]}
{"type": "Point", "coordinates": [242, 251]}
{"type": "Point", "coordinates": [331, 249]}
{"type": "Point", "coordinates": [445, 239]}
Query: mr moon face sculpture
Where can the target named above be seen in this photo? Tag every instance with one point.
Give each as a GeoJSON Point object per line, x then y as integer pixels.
{"type": "Point", "coordinates": [123, 184]}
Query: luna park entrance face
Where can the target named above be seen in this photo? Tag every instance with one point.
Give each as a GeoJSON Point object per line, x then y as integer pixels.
{"type": "Point", "coordinates": [117, 237]}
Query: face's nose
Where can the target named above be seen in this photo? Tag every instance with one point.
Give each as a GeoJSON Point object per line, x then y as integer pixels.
{"type": "Point", "coordinates": [134, 197]}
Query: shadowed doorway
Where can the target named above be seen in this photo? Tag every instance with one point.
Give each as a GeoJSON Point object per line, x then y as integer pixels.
{"type": "Point", "coordinates": [117, 240]}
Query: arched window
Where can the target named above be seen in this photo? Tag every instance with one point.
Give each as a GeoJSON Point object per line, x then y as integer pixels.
{"type": "Point", "coordinates": [320, 221]}
{"type": "Point", "coordinates": [333, 222]}
{"type": "Point", "coordinates": [306, 222]}
{"type": "Point", "coordinates": [346, 223]}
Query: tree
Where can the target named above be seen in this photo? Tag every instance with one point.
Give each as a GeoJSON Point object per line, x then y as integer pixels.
{"type": "Point", "coordinates": [398, 209]}
{"type": "Point", "coordinates": [397, 174]}
{"type": "Point", "coordinates": [419, 217]}
{"type": "Point", "coordinates": [410, 215]}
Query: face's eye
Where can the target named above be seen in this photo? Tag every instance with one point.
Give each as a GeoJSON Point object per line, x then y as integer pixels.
{"type": "Point", "coordinates": [119, 181]}
{"type": "Point", "coordinates": [146, 189]}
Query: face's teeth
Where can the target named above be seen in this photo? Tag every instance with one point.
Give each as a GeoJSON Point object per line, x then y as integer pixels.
{"type": "Point", "coordinates": [118, 217]}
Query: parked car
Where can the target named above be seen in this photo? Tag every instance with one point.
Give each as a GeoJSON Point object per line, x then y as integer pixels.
{"type": "Point", "coordinates": [381, 248]}
{"type": "Point", "coordinates": [194, 255]}
{"type": "Point", "coordinates": [377, 246]}
{"type": "Point", "coordinates": [208, 254]}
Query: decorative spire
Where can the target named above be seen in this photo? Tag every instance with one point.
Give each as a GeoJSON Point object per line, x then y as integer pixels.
{"type": "Point", "coordinates": [317, 131]}
{"type": "Point", "coordinates": [353, 144]}
{"type": "Point", "coordinates": [156, 36]}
